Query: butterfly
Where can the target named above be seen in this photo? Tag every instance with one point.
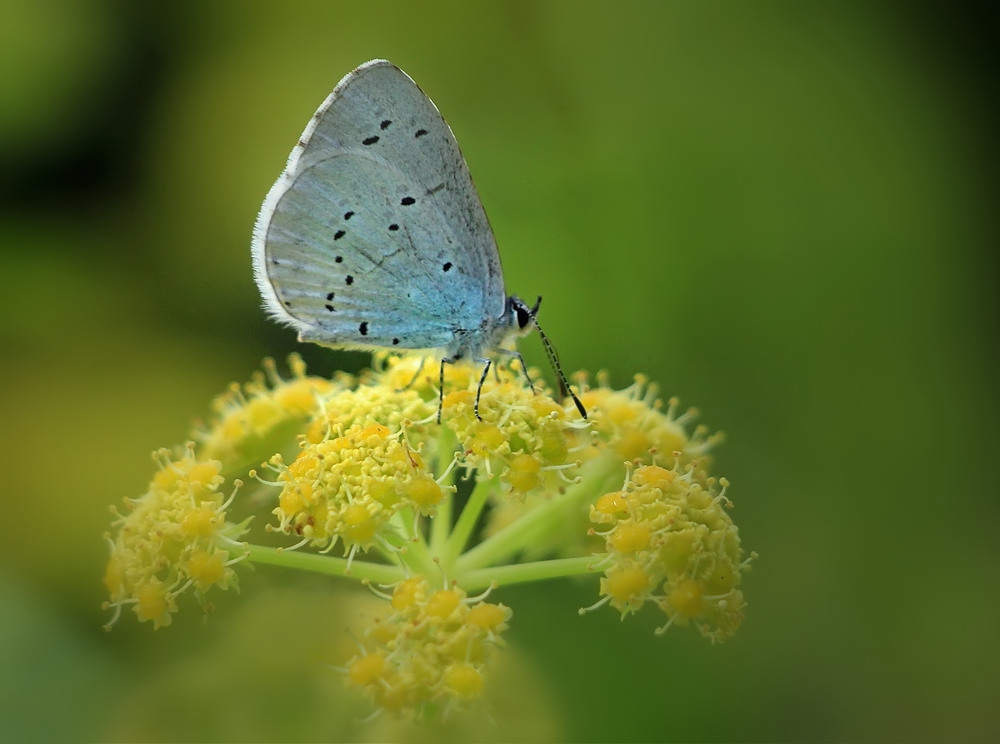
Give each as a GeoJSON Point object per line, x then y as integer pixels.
{"type": "Point", "coordinates": [374, 236]}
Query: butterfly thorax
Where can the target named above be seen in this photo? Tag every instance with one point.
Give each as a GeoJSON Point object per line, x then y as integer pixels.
{"type": "Point", "coordinates": [492, 333]}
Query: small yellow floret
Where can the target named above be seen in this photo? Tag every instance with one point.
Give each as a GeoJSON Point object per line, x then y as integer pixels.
{"type": "Point", "coordinates": [523, 473]}
{"type": "Point", "coordinates": [609, 505]}
{"type": "Point", "coordinates": [370, 435]}
{"type": "Point", "coordinates": [626, 584]}
{"type": "Point", "coordinates": [409, 592]}
{"type": "Point", "coordinates": [200, 522]}
{"type": "Point", "coordinates": [654, 475]}
{"type": "Point", "coordinates": [204, 473]}
{"type": "Point", "coordinates": [686, 598]}
{"type": "Point", "coordinates": [487, 616]}
{"type": "Point", "coordinates": [114, 578]}
{"type": "Point", "coordinates": [630, 537]}
{"type": "Point", "coordinates": [486, 439]}
{"type": "Point", "coordinates": [361, 527]}
{"type": "Point", "coordinates": [442, 603]}
{"type": "Point", "coordinates": [634, 445]}
{"type": "Point", "coordinates": [154, 603]}
{"type": "Point", "coordinates": [464, 680]}
{"type": "Point", "coordinates": [366, 669]}
{"type": "Point", "coordinates": [207, 568]}
{"type": "Point", "coordinates": [424, 491]}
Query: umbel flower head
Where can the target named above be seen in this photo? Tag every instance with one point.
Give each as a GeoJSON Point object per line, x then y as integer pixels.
{"type": "Point", "coordinates": [354, 477]}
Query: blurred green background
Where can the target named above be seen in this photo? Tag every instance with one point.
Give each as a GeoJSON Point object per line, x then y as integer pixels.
{"type": "Point", "coordinates": [783, 212]}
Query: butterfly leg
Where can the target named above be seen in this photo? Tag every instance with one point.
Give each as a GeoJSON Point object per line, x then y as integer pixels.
{"type": "Point", "coordinates": [515, 354]}
{"type": "Point", "coordinates": [444, 360]}
{"type": "Point", "coordinates": [479, 390]}
{"type": "Point", "coordinates": [410, 384]}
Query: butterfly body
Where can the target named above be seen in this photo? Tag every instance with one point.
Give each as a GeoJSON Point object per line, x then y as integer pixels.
{"type": "Point", "coordinates": [374, 236]}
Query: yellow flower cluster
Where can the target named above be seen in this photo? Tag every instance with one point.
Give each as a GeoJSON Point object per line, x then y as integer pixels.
{"type": "Point", "coordinates": [174, 537]}
{"type": "Point", "coordinates": [503, 492]}
{"type": "Point", "coordinates": [432, 649]}
{"type": "Point", "coordinates": [520, 435]}
{"type": "Point", "coordinates": [349, 487]}
{"type": "Point", "coordinates": [630, 423]}
{"type": "Point", "coordinates": [670, 542]}
{"type": "Point", "coordinates": [262, 413]}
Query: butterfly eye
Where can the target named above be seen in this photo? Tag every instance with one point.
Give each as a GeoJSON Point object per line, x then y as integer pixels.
{"type": "Point", "coordinates": [524, 314]}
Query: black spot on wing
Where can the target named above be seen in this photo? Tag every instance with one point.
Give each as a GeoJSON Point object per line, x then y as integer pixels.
{"type": "Point", "coordinates": [407, 201]}
{"type": "Point", "coordinates": [363, 328]}
{"type": "Point", "coordinates": [349, 280]}
{"type": "Point", "coordinates": [370, 140]}
{"type": "Point", "coordinates": [393, 227]}
{"type": "Point", "coordinates": [348, 215]}
{"type": "Point", "coordinates": [338, 235]}
{"type": "Point", "coordinates": [384, 124]}
{"type": "Point", "coordinates": [420, 133]}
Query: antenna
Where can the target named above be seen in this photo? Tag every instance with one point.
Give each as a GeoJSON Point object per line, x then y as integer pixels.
{"type": "Point", "coordinates": [550, 351]}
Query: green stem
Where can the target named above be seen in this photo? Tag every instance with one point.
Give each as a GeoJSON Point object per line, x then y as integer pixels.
{"type": "Point", "coordinates": [324, 564]}
{"type": "Point", "coordinates": [466, 522]}
{"type": "Point", "coordinates": [441, 521]}
{"type": "Point", "coordinates": [415, 554]}
{"type": "Point", "coordinates": [533, 526]}
{"type": "Point", "coordinates": [520, 573]}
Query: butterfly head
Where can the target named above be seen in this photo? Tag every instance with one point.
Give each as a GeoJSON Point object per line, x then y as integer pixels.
{"type": "Point", "coordinates": [523, 318]}
{"type": "Point", "coordinates": [521, 315]}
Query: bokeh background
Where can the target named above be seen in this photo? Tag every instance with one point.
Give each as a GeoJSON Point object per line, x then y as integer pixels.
{"type": "Point", "coordinates": [783, 212]}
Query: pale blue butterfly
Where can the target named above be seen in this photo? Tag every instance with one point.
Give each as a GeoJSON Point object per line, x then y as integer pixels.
{"type": "Point", "coordinates": [374, 235]}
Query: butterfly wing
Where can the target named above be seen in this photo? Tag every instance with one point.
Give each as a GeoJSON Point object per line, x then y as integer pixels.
{"type": "Point", "coordinates": [374, 235]}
